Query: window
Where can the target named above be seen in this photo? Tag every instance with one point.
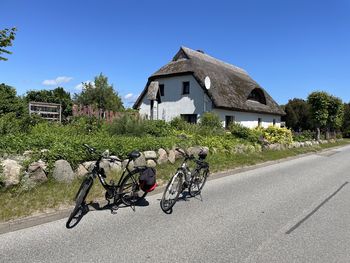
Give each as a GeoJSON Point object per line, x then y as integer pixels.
{"type": "Point", "coordinates": [185, 87]}
{"type": "Point", "coordinates": [274, 122]}
{"type": "Point", "coordinates": [161, 89]}
{"type": "Point", "coordinates": [259, 122]}
{"type": "Point", "coordinates": [257, 95]}
{"type": "Point", "coordinates": [190, 118]}
{"type": "Point", "coordinates": [229, 120]}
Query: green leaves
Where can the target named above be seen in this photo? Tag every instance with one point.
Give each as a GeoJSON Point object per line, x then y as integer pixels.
{"type": "Point", "coordinates": [7, 36]}
{"type": "Point", "coordinates": [327, 110]}
{"type": "Point", "coordinates": [100, 95]}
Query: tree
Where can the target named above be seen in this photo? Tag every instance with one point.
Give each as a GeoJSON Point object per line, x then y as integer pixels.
{"type": "Point", "coordinates": [319, 102]}
{"type": "Point", "coordinates": [298, 115]}
{"type": "Point", "coordinates": [346, 120]}
{"type": "Point", "coordinates": [335, 113]}
{"type": "Point", "coordinates": [7, 35]}
{"type": "Point", "coordinates": [10, 102]}
{"type": "Point", "coordinates": [100, 95]}
{"type": "Point", "coordinates": [58, 95]}
{"type": "Point", "coordinates": [327, 111]}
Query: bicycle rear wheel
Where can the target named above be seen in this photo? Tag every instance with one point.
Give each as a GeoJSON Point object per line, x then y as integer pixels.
{"type": "Point", "coordinates": [197, 182]}
{"type": "Point", "coordinates": [130, 191]}
{"type": "Point", "coordinates": [80, 199]}
{"type": "Point", "coordinates": [172, 192]}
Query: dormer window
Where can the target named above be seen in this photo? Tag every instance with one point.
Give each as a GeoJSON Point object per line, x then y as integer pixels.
{"type": "Point", "coordinates": [258, 96]}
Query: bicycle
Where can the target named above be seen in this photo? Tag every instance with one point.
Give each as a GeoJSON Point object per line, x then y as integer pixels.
{"type": "Point", "coordinates": [128, 190]}
{"type": "Point", "coordinates": [185, 178]}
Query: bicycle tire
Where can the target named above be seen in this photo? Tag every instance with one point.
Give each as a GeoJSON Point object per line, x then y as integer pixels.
{"type": "Point", "coordinates": [80, 198]}
{"type": "Point", "coordinates": [166, 204]}
{"type": "Point", "coordinates": [197, 182]}
{"type": "Point", "coordinates": [130, 191]}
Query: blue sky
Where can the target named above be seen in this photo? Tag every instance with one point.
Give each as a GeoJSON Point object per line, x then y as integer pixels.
{"type": "Point", "coordinates": [290, 48]}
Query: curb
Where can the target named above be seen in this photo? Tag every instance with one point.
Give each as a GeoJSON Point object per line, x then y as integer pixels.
{"type": "Point", "coordinates": [26, 222]}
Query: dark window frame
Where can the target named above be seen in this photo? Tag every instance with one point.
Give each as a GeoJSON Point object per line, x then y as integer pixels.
{"type": "Point", "coordinates": [161, 89]}
{"type": "Point", "coordinates": [259, 122]}
{"type": "Point", "coordinates": [229, 119]}
{"type": "Point", "coordinates": [190, 118]}
{"type": "Point", "coordinates": [186, 89]}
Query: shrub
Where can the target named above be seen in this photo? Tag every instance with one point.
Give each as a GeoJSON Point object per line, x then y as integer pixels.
{"type": "Point", "coordinates": [239, 131]}
{"type": "Point", "coordinates": [304, 136]}
{"type": "Point", "coordinates": [211, 120]}
{"type": "Point", "coordinates": [275, 134]}
{"type": "Point", "coordinates": [179, 123]}
{"type": "Point", "coordinates": [128, 124]}
{"type": "Point", "coordinates": [157, 128]}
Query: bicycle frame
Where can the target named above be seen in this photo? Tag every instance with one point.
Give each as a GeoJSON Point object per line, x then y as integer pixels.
{"type": "Point", "coordinates": [111, 189]}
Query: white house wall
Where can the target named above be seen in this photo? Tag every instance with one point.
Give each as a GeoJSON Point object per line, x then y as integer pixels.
{"type": "Point", "coordinates": [174, 102]}
{"type": "Point", "coordinates": [249, 119]}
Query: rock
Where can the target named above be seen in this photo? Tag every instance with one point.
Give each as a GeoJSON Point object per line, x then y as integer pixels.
{"type": "Point", "coordinates": [36, 172]}
{"type": "Point", "coordinates": [63, 171]}
{"type": "Point", "coordinates": [274, 147]}
{"type": "Point", "coordinates": [81, 171]}
{"type": "Point", "coordinates": [116, 166]}
{"type": "Point", "coordinates": [141, 161]}
{"type": "Point", "coordinates": [151, 163]}
{"type": "Point", "coordinates": [163, 156]}
{"type": "Point", "coordinates": [150, 155]}
{"type": "Point", "coordinates": [44, 151]}
{"type": "Point", "coordinates": [131, 164]}
{"type": "Point", "coordinates": [194, 150]}
{"type": "Point", "coordinates": [302, 144]}
{"type": "Point", "coordinates": [89, 165]}
{"type": "Point", "coordinates": [171, 156]}
{"type": "Point", "coordinates": [178, 155]}
{"type": "Point", "coordinates": [28, 154]}
{"type": "Point", "coordinates": [308, 143]}
{"type": "Point", "coordinates": [11, 172]}
{"type": "Point", "coordinates": [331, 141]}
{"type": "Point", "coordinates": [296, 145]}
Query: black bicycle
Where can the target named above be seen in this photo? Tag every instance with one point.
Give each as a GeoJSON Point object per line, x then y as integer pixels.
{"type": "Point", "coordinates": [128, 190]}
{"type": "Point", "coordinates": [185, 178]}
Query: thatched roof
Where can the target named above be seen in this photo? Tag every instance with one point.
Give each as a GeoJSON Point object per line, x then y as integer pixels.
{"type": "Point", "coordinates": [230, 85]}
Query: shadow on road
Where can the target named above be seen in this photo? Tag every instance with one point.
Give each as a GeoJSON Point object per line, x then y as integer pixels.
{"type": "Point", "coordinates": [94, 206]}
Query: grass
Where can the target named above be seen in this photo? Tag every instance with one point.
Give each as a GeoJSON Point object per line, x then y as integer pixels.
{"type": "Point", "coordinates": [15, 202]}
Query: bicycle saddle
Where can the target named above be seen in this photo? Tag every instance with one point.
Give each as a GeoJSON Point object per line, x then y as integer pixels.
{"type": "Point", "coordinates": [134, 155]}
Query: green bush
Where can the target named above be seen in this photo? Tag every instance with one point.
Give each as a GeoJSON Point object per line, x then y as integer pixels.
{"type": "Point", "coordinates": [275, 134]}
{"type": "Point", "coordinates": [239, 131]}
{"type": "Point", "coordinates": [157, 128]}
{"type": "Point", "coordinates": [210, 120]}
{"type": "Point", "coordinates": [304, 136]}
{"type": "Point", "coordinates": [128, 124]}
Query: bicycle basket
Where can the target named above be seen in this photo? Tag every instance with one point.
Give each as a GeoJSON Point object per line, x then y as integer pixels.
{"type": "Point", "coordinates": [147, 180]}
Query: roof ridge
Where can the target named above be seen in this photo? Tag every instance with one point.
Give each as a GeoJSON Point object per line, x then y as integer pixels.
{"type": "Point", "coordinates": [208, 58]}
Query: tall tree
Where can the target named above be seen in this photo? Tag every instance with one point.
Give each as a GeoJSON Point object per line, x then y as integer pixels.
{"type": "Point", "coordinates": [335, 113]}
{"type": "Point", "coordinates": [319, 102]}
{"type": "Point", "coordinates": [100, 94]}
{"type": "Point", "coordinates": [298, 115]}
{"type": "Point", "coordinates": [346, 120]}
{"type": "Point", "coordinates": [58, 95]}
{"type": "Point", "coordinates": [7, 36]}
{"type": "Point", "coordinates": [9, 101]}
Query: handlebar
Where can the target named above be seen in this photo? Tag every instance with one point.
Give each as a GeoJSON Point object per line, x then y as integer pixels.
{"type": "Point", "coordinates": [104, 155]}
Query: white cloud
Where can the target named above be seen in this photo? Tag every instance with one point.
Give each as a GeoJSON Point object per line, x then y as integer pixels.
{"type": "Point", "coordinates": [56, 81]}
{"type": "Point", "coordinates": [128, 96]}
{"type": "Point", "coordinates": [81, 85]}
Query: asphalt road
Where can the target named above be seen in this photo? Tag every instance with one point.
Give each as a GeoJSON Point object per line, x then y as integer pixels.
{"type": "Point", "coordinates": [295, 211]}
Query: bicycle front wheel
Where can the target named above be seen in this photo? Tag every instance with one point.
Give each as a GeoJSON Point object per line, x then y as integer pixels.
{"type": "Point", "coordinates": [80, 198]}
{"type": "Point", "coordinates": [197, 182]}
{"type": "Point", "coordinates": [172, 192]}
{"type": "Point", "coordinates": [130, 191]}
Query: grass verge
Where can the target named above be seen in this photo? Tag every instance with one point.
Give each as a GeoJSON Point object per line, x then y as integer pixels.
{"type": "Point", "coordinates": [16, 203]}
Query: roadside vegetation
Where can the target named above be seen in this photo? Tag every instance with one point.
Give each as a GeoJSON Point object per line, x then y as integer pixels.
{"type": "Point", "coordinates": [228, 148]}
